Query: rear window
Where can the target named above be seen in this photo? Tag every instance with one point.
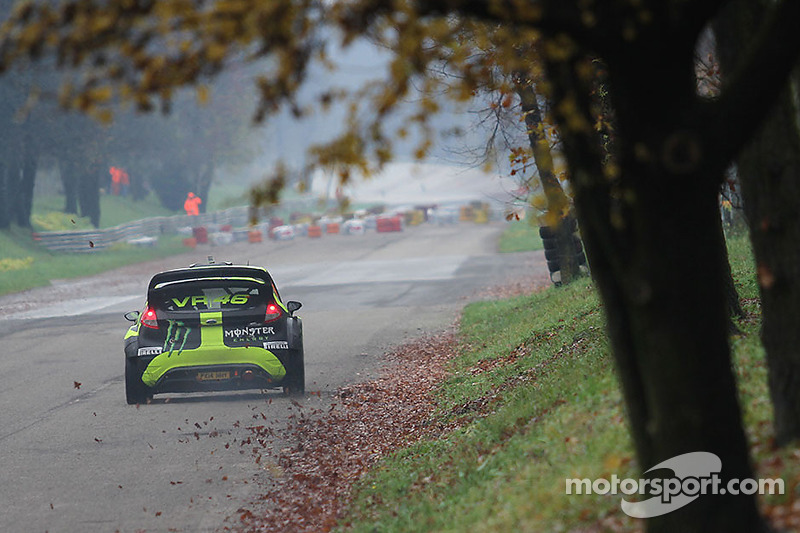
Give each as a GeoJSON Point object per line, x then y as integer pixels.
{"type": "Point", "coordinates": [214, 294]}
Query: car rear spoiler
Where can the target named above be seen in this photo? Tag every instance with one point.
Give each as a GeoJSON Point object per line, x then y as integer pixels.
{"type": "Point", "coordinates": [210, 271]}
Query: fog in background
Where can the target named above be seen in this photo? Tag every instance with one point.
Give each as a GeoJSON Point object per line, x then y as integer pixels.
{"type": "Point", "coordinates": [192, 147]}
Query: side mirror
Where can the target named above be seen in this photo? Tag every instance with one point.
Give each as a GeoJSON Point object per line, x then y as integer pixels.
{"type": "Point", "coordinates": [293, 306]}
{"type": "Point", "coordinates": [132, 316]}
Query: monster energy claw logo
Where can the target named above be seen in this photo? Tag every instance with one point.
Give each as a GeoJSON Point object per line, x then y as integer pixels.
{"type": "Point", "coordinates": [177, 333]}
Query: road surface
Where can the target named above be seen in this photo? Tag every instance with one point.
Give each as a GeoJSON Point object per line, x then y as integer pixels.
{"type": "Point", "coordinates": [76, 458]}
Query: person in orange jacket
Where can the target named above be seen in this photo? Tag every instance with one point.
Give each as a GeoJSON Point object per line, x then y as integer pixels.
{"type": "Point", "coordinates": [116, 181]}
{"type": "Point", "coordinates": [192, 204]}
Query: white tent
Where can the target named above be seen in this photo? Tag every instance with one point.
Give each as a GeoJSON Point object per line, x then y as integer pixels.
{"type": "Point", "coordinates": [418, 183]}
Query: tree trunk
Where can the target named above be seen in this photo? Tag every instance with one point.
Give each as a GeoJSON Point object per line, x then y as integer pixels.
{"type": "Point", "coordinates": [14, 183]}
{"type": "Point", "coordinates": [651, 234]}
{"type": "Point", "coordinates": [670, 325]}
{"type": "Point", "coordinates": [69, 179]}
{"type": "Point", "coordinates": [138, 187]}
{"type": "Point", "coordinates": [28, 177]}
{"type": "Point", "coordinates": [559, 217]}
{"type": "Point", "coordinates": [769, 173]}
{"type": "Point", "coordinates": [5, 198]}
{"type": "Point", "coordinates": [89, 193]}
{"type": "Point", "coordinates": [203, 188]}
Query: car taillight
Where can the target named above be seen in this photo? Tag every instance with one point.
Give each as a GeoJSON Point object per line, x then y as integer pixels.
{"type": "Point", "coordinates": [273, 312]}
{"type": "Point", "coordinates": [149, 318]}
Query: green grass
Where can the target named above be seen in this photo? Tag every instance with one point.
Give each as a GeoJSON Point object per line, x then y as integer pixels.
{"type": "Point", "coordinates": [224, 195]}
{"type": "Point", "coordinates": [551, 414]}
{"type": "Point", "coordinates": [520, 236]}
{"type": "Point", "coordinates": [24, 265]}
{"type": "Point", "coordinates": [534, 400]}
{"type": "Point", "coordinates": [48, 212]}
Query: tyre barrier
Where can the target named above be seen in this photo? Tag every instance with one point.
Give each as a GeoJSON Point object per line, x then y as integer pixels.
{"type": "Point", "coordinates": [415, 217]}
{"type": "Point", "coordinates": [201, 234]}
{"type": "Point", "coordinates": [221, 238]}
{"type": "Point", "coordinates": [314, 232]}
{"type": "Point", "coordinates": [554, 259]}
{"type": "Point", "coordinates": [93, 240]}
{"type": "Point", "coordinates": [481, 216]}
{"type": "Point", "coordinates": [387, 224]}
{"type": "Point", "coordinates": [551, 254]}
{"type": "Point", "coordinates": [254, 236]}
{"type": "Point", "coordinates": [332, 228]}
{"type": "Point", "coordinates": [547, 234]}
{"type": "Point", "coordinates": [240, 234]}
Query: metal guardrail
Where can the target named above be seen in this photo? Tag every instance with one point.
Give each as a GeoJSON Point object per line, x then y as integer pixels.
{"type": "Point", "coordinates": [90, 240]}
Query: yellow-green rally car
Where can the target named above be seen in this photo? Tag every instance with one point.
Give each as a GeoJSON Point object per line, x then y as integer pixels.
{"type": "Point", "coordinates": [213, 327]}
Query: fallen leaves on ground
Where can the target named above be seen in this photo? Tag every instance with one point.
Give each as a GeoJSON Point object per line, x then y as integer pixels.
{"type": "Point", "coordinates": [366, 422]}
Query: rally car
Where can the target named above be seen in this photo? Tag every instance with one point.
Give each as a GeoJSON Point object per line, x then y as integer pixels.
{"type": "Point", "coordinates": [213, 327]}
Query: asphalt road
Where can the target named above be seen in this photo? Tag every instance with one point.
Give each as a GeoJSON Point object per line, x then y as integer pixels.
{"type": "Point", "coordinates": [76, 458]}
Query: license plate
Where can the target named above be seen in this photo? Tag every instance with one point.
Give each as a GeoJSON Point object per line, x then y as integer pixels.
{"type": "Point", "coordinates": [213, 376]}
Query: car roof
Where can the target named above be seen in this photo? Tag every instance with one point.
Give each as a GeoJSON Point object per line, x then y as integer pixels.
{"type": "Point", "coordinates": [201, 272]}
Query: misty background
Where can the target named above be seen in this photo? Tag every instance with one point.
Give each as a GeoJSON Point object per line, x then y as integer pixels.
{"type": "Point", "coordinates": [208, 143]}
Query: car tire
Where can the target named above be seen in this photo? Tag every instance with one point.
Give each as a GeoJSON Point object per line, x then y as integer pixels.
{"type": "Point", "coordinates": [135, 391]}
{"type": "Point", "coordinates": [295, 380]}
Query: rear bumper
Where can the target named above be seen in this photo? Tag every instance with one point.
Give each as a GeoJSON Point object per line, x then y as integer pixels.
{"type": "Point", "coordinates": [159, 367]}
{"type": "Point", "coordinates": [239, 377]}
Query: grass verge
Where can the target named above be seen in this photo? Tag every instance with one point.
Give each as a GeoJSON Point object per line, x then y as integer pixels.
{"type": "Point", "coordinates": [24, 264]}
{"type": "Point", "coordinates": [520, 236]}
{"type": "Point", "coordinates": [532, 399]}
{"type": "Point", "coordinates": [48, 212]}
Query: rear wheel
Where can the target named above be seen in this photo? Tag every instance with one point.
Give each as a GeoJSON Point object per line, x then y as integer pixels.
{"type": "Point", "coordinates": [136, 392]}
{"type": "Point", "coordinates": [295, 380]}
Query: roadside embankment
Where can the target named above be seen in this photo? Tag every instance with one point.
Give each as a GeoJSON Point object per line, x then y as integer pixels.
{"type": "Point", "coordinates": [479, 428]}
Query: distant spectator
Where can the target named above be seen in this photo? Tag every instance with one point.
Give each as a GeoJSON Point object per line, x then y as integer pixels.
{"type": "Point", "coordinates": [192, 204]}
{"type": "Point", "coordinates": [116, 181]}
{"type": "Point", "coordinates": [120, 181]}
{"type": "Point", "coordinates": [125, 182]}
